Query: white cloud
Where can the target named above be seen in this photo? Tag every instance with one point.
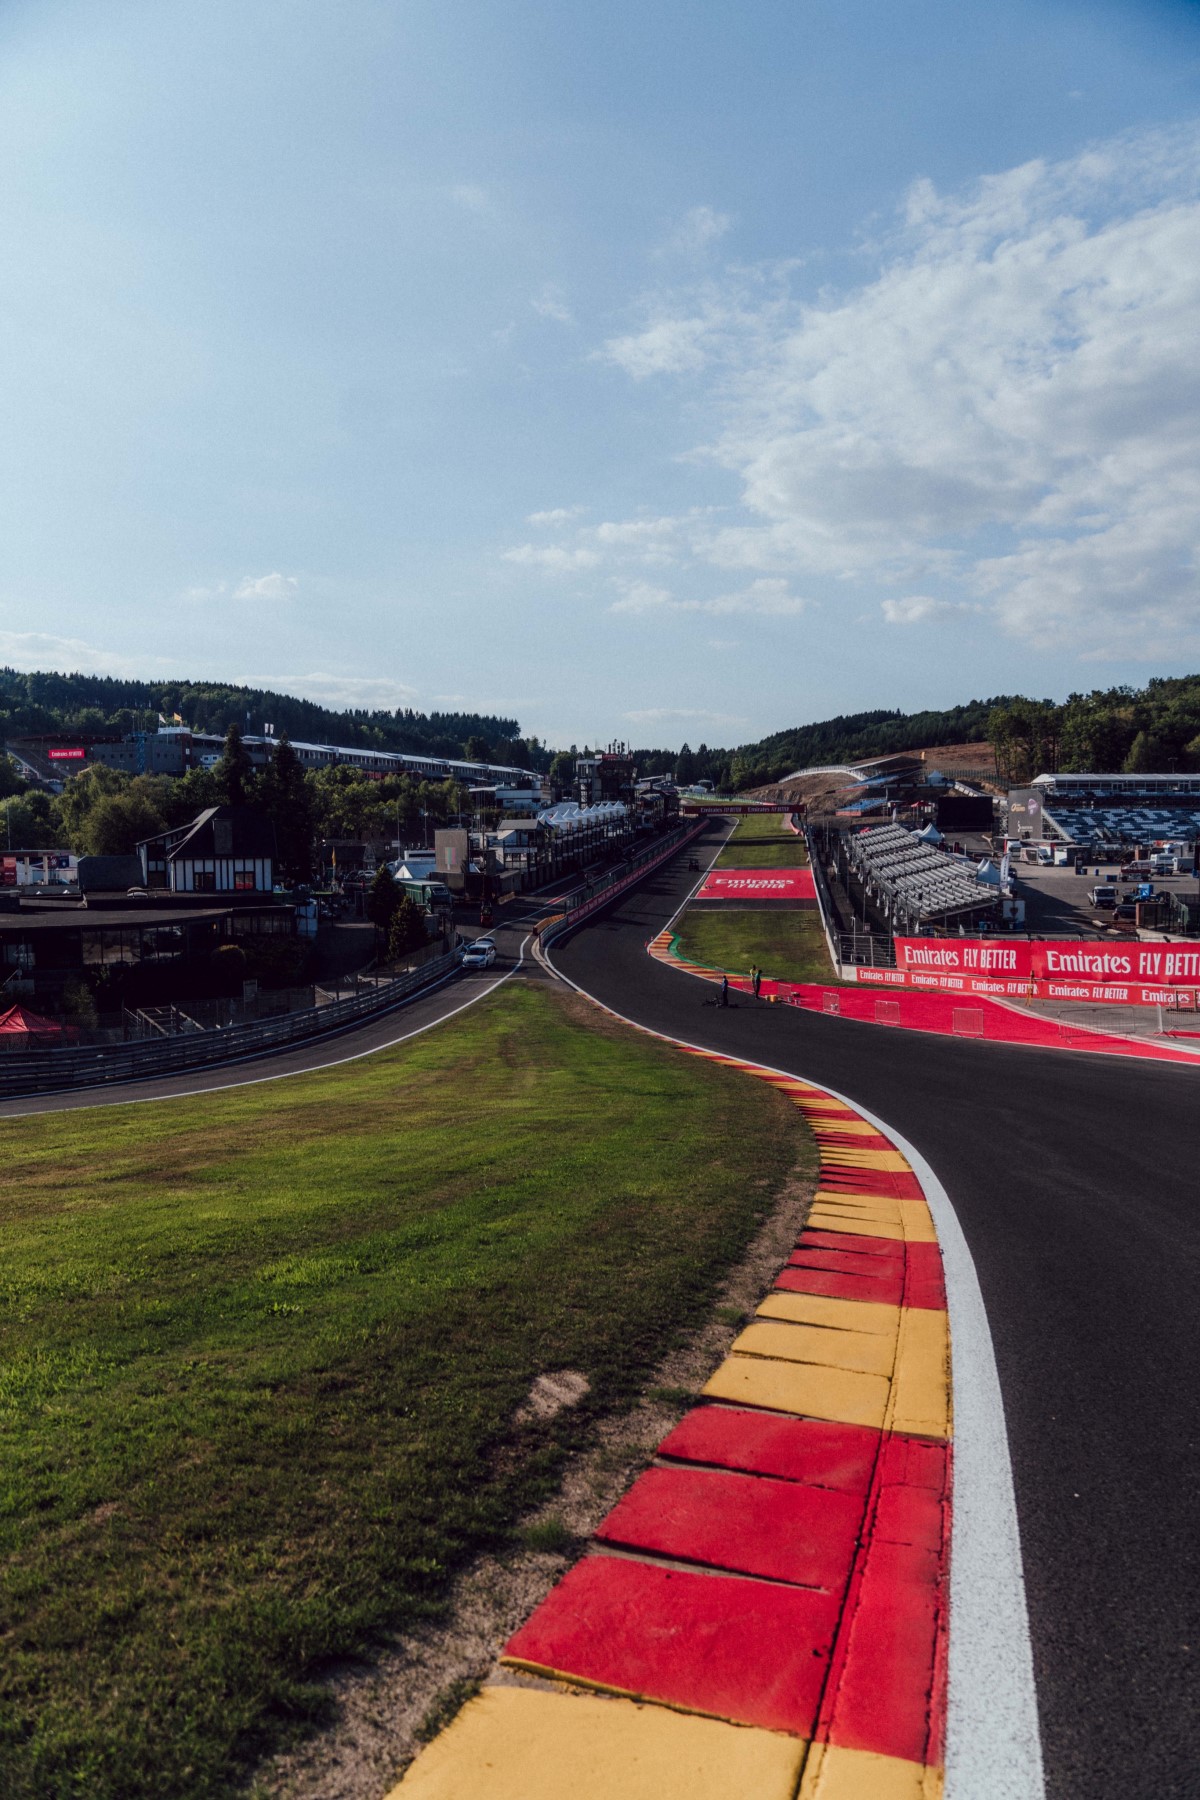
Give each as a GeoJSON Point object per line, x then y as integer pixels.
{"type": "Point", "coordinates": [918, 609]}
{"type": "Point", "coordinates": [557, 515]}
{"type": "Point", "coordinates": [376, 692]}
{"type": "Point", "coordinates": [666, 347]}
{"type": "Point", "coordinates": [555, 559]}
{"type": "Point", "coordinates": [31, 650]}
{"type": "Point", "coordinates": [670, 715]}
{"type": "Point", "coordinates": [551, 303]}
{"type": "Point", "coordinates": [471, 195]}
{"type": "Point", "coordinates": [1010, 405]}
{"type": "Point", "coordinates": [644, 597]}
{"type": "Point", "coordinates": [267, 587]}
{"type": "Point", "coordinates": [698, 229]}
{"type": "Point", "coordinates": [768, 597]}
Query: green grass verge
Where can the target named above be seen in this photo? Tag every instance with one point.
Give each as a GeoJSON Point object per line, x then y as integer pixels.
{"type": "Point", "coordinates": [763, 843]}
{"type": "Point", "coordinates": [786, 945]}
{"type": "Point", "coordinates": [261, 1353]}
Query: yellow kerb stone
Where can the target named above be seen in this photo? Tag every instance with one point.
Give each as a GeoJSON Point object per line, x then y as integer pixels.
{"type": "Point", "coordinates": [847, 1158]}
{"type": "Point", "coordinates": [843, 1315]}
{"type": "Point", "coordinates": [921, 1382]}
{"type": "Point", "coordinates": [844, 1395]}
{"type": "Point", "coordinates": [829, 1218]}
{"type": "Point", "coordinates": [832, 1773]}
{"type": "Point", "coordinates": [824, 1345]}
{"type": "Point", "coordinates": [513, 1743]}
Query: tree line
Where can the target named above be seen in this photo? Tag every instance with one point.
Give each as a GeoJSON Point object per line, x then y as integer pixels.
{"type": "Point", "coordinates": [105, 812]}
{"type": "Point", "coordinates": [33, 704]}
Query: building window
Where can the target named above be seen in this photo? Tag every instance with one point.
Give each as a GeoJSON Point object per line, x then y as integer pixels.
{"type": "Point", "coordinates": [243, 881]}
{"type": "Point", "coordinates": [204, 881]}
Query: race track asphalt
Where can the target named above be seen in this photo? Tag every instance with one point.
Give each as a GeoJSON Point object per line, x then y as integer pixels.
{"type": "Point", "coordinates": [1074, 1180]}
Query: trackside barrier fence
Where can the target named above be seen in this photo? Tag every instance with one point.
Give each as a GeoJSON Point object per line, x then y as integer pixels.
{"type": "Point", "coordinates": [581, 906]}
{"type": "Point", "coordinates": [52, 1071]}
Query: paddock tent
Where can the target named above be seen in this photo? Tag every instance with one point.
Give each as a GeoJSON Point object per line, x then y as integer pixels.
{"type": "Point", "coordinates": [21, 1029]}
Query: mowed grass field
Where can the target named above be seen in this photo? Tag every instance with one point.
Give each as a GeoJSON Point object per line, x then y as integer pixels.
{"type": "Point", "coordinates": [763, 843]}
{"type": "Point", "coordinates": [262, 1350]}
{"type": "Point", "coordinates": [787, 945]}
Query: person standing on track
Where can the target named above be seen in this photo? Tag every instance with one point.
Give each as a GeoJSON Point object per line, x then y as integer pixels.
{"type": "Point", "coordinates": [755, 979]}
{"type": "Point", "coordinates": [724, 990]}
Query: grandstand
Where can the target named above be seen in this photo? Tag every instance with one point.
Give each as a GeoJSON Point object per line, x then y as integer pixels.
{"type": "Point", "coordinates": [914, 885]}
{"type": "Point", "coordinates": [1107, 812]}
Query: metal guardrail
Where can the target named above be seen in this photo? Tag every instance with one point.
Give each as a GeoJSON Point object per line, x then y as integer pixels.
{"type": "Point", "coordinates": [582, 905]}
{"type": "Point", "coordinates": [652, 854]}
{"type": "Point", "coordinates": [56, 1071]}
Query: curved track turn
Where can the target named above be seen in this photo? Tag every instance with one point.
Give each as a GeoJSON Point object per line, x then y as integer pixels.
{"type": "Point", "coordinates": [1074, 1184]}
{"type": "Point", "coordinates": [1073, 1180]}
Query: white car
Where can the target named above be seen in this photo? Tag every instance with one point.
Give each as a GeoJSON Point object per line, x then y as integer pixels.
{"type": "Point", "coordinates": [480, 954]}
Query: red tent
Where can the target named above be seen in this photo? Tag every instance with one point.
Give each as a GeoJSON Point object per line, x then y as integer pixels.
{"type": "Point", "coordinates": [20, 1028]}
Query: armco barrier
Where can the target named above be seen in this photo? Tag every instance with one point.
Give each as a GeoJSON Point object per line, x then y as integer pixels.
{"type": "Point", "coordinates": [53, 1071]}
{"type": "Point", "coordinates": [582, 908]}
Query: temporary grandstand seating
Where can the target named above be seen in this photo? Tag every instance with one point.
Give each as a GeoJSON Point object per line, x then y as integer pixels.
{"type": "Point", "coordinates": [913, 883]}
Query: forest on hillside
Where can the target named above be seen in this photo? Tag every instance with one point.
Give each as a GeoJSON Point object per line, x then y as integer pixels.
{"type": "Point", "coordinates": [1154, 729]}
{"type": "Point", "coordinates": [31, 704]}
{"type": "Point", "coordinates": [1150, 730]}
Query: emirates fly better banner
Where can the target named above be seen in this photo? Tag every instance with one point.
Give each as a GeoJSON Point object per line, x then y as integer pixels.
{"type": "Point", "coordinates": [760, 884]}
{"type": "Point", "coordinates": [1124, 973]}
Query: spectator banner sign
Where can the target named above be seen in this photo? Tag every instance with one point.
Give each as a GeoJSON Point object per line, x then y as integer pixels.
{"type": "Point", "coordinates": [795, 885]}
{"type": "Point", "coordinates": [1123, 973]}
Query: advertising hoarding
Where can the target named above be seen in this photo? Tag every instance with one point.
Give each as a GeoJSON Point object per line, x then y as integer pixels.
{"type": "Point", "coordinates": [1124, 973]}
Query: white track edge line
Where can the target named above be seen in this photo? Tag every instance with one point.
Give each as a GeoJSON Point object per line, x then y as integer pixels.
{"type": "Point", "coordinates": [993, 1742]}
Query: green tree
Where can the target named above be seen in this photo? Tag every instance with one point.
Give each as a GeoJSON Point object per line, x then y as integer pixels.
{"type": "Point", "coordinates": [383, 898]}
{"type": "Point", "coordinates": [406, 930]}
{"type": "Point", "coordinates": [118, 823]}
{"type": "Point", "coordinates": [81, 793]}
{"type": "Point", "coordinates": [477, 749]}
{"type": "Point", "coordinates": [1025, 736]}
{"type": "Point", "coordinates": [562, 771]}
{"type": "Point", "coordinates": [191, 794]}
{"type": "Point", "coordinates": [288, 801]}
{"type": "Point", "coordinates": [1146, 756]}
{"type": "Point", "coordinates": [28, 822]}
{"type": "Point", "coordinates": [685, 767]}
{"type": "Point", "coordinates": [235, 771]}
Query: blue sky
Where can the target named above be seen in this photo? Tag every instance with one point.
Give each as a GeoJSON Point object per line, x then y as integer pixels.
{"type": "Point", "coordinates": [661, 371]}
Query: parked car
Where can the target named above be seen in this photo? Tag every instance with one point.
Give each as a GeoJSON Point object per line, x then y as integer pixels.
{"type": "Point", "coordinates": [1104, 895]}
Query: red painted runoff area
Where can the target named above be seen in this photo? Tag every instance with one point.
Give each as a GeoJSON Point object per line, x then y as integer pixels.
{"type": "Point", "coordinates": [752, 1651]}
{"type": "Point", "coordinates": [759, 884]}
{"type": "Point", "coordinates": [953, 1016]}
{"type": "Point", "coordinates": [809, 1450]}
{"type": "Point", "coordinates": [750, 1524]}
